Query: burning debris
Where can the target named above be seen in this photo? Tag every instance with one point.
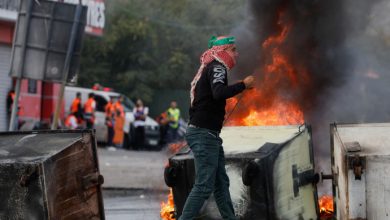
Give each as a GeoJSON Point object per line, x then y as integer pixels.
{"type": "Point", "coordinates": [325, 204]}
{"type": "Point", "coordinates": [303, 64]}
{"type": "Point", "coordinates": [269, 103]}
{"type": "Point", "coordinates": [271, 174]}
{"type": "Point", "coordinates": [315, 57]}
{"type": "Point", "coordinates": [290, 64]}
{"type": "Point", "coordinates": [167, 211]}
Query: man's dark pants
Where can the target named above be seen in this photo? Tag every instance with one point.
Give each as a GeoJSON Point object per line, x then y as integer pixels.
{"type": "Point", "coordinates": [210, 174]}
{"type": "Point", "coordinates": [89, 124]}
{"type": "Point", "coordinates": [172, 134]}
{"type": "Point", "coordinates": [139, 137]}
{"type": "Point", "coordinates": [111, 133]}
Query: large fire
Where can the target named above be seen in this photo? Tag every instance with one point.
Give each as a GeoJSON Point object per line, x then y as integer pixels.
{"type": "Point", "coordinates": [325, 204]}
{"type": "Point", "coordinates": [167, 211]}
{"type": "Point", "coordinates": [280, 113]}
{"type": "Point", "coordinates": [273, 101]}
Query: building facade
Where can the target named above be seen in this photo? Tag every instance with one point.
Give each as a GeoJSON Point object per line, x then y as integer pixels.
{"type": "Point", "coordinates": [37, 98]}
{"type": "Point", "coordinates": [8, 16]}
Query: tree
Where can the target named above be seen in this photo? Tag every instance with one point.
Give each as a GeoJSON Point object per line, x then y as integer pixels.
{"type": "Point", "coordinates": [154, 44]}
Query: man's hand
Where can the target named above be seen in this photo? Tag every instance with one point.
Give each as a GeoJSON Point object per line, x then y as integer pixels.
{"type": "Point", "coordinates": [249, 81]}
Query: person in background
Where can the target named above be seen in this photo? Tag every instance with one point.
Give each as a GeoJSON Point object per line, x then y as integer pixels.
{"type": "Point", "coordinates": [10, 102]}
{"type": "Point", "coordinates": [89, 111]}
{"type": "Point", "coordinates": [140, 112]}
{"type": "Point", "coordinates": [118, 127]}
{"type": "Point", "coordinates": [173, 115]}
{"type": "Point", "coordinates": [162, 121]}
{"type": "Point", "coordinates": [76, 108]}
{"type": "Point", "coordinates": [71, 122]}
{"type": "Point", "coordinates": [119, 122]}
{"type": "Point", "coordinates": [119, 107]}
{"type": "Point", "coordinates": [110, 120]}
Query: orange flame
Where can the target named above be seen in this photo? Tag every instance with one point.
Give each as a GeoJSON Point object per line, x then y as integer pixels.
{"type": "Point", "coordinates": [272, 103]}
{"type": "Point", "coordinates": [280, 113]}
{"type": "Point", "coordinates": [167, 211]}
{"type": "Point", "coordinates": [325, 204]}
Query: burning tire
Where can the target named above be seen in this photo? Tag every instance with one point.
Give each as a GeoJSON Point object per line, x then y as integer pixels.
{"type": "Point", "coordinates": [249, 172]}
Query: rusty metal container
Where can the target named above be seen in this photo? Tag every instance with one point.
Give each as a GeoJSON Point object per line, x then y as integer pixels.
{"type": "Point", "coordinates": [271, 172]}
{"type": "Point", "coordinates": [361, 170]}
{"type": "Point", "coordinates": [50, 175]}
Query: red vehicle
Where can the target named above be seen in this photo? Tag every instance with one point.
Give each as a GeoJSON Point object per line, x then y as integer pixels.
{"type": "Point", "coordinates": [37, 104]}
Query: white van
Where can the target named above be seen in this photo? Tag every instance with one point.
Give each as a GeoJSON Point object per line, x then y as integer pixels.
{"type": "Point", "coordinates": [152, 130]}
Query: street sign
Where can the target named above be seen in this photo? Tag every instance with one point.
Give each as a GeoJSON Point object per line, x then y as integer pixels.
{"type": "Point", "coordinates": [42, 38]}
{"type": "Point", "coordinates": [47, 45]}
{"type": "Point", "coordinates": [95, 16]}
{"type": "Point", "coordinates": [11, 5]}
{"type": "Point", "coordinates": [8, 10]}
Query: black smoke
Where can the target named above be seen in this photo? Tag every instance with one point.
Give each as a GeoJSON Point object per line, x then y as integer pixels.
{"type": "Point", "coordinates": [345, 48]}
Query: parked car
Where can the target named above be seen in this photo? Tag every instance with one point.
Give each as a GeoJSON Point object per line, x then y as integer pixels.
{"type": "Point", "coordinates": [152, 134]}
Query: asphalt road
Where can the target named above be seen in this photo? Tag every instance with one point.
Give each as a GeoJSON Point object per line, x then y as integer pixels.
{"type": "Point", "coordinates": [126, 169]}
{"type": "Point", "coordinates": [133, 204]}
{"type": "Point", "coordinates": [134, 184]}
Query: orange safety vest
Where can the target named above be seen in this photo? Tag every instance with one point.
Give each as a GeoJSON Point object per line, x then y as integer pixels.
{"type": "Point", "coordinates": [118, 107]}
{"type": "Point", "coordinates": [109, 109]}
{"type": "Point", "coordinates": [163, 118]}
{"type": "Point", "coordinates": [88, 106]}
{"type": "Point", "coordinates": [67, 121]}
{"type": "Point", "coordinates": [118, 130]}
{"type": "Point", "coordinates": [75, 105]}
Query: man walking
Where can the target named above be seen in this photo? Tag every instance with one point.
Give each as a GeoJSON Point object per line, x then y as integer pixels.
{"type": "Point", "coordinates": [209, 91]}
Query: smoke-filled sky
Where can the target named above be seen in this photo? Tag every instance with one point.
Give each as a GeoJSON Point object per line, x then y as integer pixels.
{"type": "Point", "coordinates": [344, 47]}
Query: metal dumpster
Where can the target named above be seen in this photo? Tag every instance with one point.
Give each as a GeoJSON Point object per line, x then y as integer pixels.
{"type": "Point", "coordinates": [361, 170]}
{"type": "Point", "coordinates": [271, 172]}
{"type": "Point", "coordinates": [50, 175]}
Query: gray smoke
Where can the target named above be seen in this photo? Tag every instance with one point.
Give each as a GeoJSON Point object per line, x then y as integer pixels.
{"type": "Point", "coordinates": [344, 47]}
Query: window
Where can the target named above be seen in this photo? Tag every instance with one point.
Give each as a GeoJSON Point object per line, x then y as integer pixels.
{"type": "Point", "coordinates": [32, 86]}
{"type": "Point", "coordinates": [100, 103]}
{"type": "Point", "coordinates": [128, 103]}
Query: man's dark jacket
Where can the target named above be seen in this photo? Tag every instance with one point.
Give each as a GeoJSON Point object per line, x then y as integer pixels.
{"type": "Point", "coordinates": [211, 92]}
